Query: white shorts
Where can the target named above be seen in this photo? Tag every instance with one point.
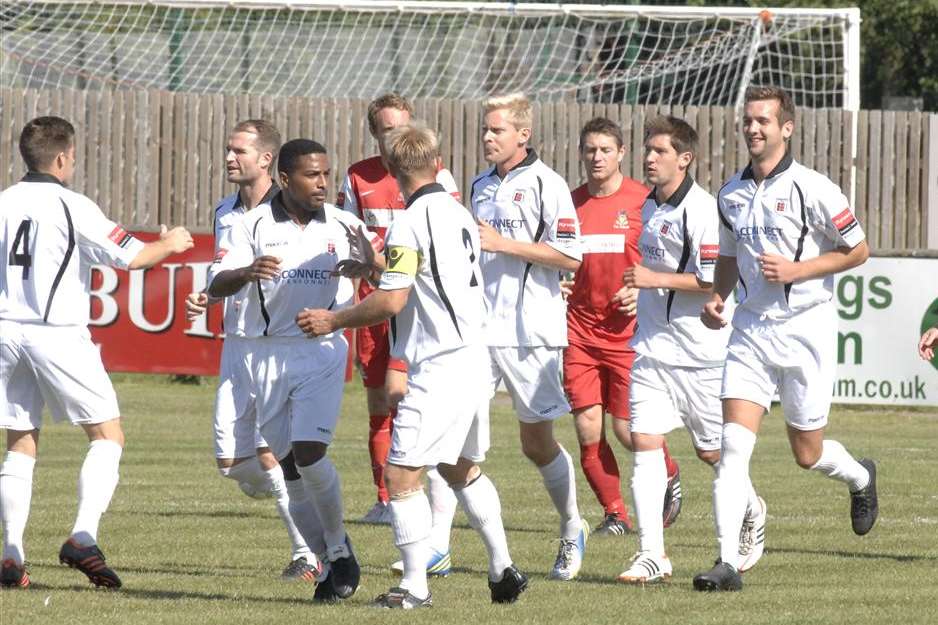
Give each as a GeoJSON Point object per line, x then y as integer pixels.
{"type": "Point", "coordinates": [444, 415]}
{"type": "Point", "coordinates": [57, 366]}
{"type": "Point", "coordinates": [664, 398]}
{"type": "Point", "coordinates": [533, 378]}
{"type": "Point", "coordinates": [798, 356]}
{"type": "Point", "coordinates": [298, 385]}
{"type": "Point", "coordinates": [236, 431]}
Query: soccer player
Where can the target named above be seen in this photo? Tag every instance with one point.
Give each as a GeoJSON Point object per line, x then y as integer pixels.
{"type": "Point", "coordinates": [372, 194]}
{"type": "Point", "coordinates": [529, 233]}
{"type": "Point", "coordinates": [432, 289]}
{"type": "Point", "coordinates": [50, 238]}
{"type": "Point", "coordinates": [926, 346]}
{"type": "Point", "coordinates": [240, 452]}
{"type": "Point", "coordinates": [679, 364]}
{"type": "Point", "coordinates": [286, 251]}
{"type": "Point", "coordinates": [601, 320]}
{"type": "Point", "coordinates": [786, 230]}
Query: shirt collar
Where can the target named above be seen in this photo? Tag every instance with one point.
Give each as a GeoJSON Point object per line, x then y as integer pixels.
{"type": "Point", "coordinates": [529, 159]}
{"type": "Point", "coordinates": [678, 196]}
{"type": "Point", "coordinates": [280, 214]}
{"type": "Point", "coordinates": [38, 176]}
{"type": "Point", "coordinates": [271, 192]}
{"type": "Point", "coordinates": [433, 187]}
{"type": "Point", "coordinates": [783, 164]}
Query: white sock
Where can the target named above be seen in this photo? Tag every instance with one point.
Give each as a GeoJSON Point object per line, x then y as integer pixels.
{"type": "Point", "coordinates": [411, 520]}
{"type": "Point", "coordinates": [278, 488]}
{"type": "Point", "coordinates": [752, 497]}
{"type": "Point", "coordinates": [443, 505]}
{"type": "Point", "coordinates": [649, 482]}
{"type": "Point", "coordinates": [250, 472]}
{"type": "Point", "coordinates": [321, 481]}
{"type": "Point", "coordinates": [305, 517]}
{"type": "Point", "coordinates": [837, 463]}
{"type": "Point", "coordinates": [560, 483]}
{"type": "Point", "coordinates": [96, 484]}
{"type": "Point", "coordinates": [730, 491]}
{"type": "Point", "coordinates": [16, 491]}
{"type": "Point", "coordinates": [480, 502]}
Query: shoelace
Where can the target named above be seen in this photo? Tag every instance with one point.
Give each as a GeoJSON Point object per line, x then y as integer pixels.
{"type": "Point", "coordinates": [565, 553]}
{"type": "Point", "coordinates": [747, 535]}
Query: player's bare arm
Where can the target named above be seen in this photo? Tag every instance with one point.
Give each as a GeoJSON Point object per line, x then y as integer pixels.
{"type": "Point", "coordinates": [725, 278]}
{"type": "Point", "coordinates": [928, 343]}
{"type": "Point", "coordinates": [171, 242]}
{"type": "Point", "coordinates": [540, 253]}
{"type": "Point", "coordinates": [780, 269]}
{"type": "Point", "coordinates": [377, 307]}
{"type": "Point", "coordinates": [230, 281]}
{"type": "Point", "coordinates": [641, 277]}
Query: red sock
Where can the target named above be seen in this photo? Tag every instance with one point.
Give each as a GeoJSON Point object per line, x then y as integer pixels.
{"type": "Point", "coordinates": [379, 443]}
{"type": "Point", "coordinates": [602, 472]}
{"type": "Point", "coordinates": [669, 462]}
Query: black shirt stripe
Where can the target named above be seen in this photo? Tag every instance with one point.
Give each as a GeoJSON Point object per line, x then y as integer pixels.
{"type": "Point", "coordinates": [65, 260]}
{"type": "Point", "coordinates": [434, 269]}
{"type": "Point", "coordinates": [682, 264]}
{"type": "Point", "coordinates": [541, 226]}
{"type": "Point", "coordinates": [801, 237]}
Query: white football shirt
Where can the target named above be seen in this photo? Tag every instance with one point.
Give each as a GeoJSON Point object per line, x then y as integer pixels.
{"type": "Point", "coordinates": [679, 236]}
{"type": "Point", "coordinates": [795, 212]}
{"type": "Point", "coordinates": [50, 238]}
{"type": "Point", "coordinates": [433, 247]}
{"type": "Point", "coordinates": [228, 212]}
{"type": "Point", "coordinates": [308, 257]}
{"type": "Point", "coordinates": [532, 204]}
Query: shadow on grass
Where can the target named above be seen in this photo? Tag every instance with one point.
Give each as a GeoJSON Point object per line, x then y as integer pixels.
{"type": "Point", "coordinates": [460, 526]}
{"type": "Point", "coordinates": [856, 554]}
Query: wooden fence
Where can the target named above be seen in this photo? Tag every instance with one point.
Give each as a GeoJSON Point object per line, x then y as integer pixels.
{"type": "Point", "coordinates": [158, 157]}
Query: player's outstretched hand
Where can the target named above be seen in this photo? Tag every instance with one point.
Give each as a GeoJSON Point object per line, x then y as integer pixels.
{"type": "Point", "coordinates": [712, 314]}
{"type": "Point", "coordinates": [196, 303]}
{"type": "Point", "coordinates": [638, 277]}
{"type": "Point", "coordinates": [928, 344]}
{"type": "Point", "coordinates": [178, 239]}
{"type": "Point", "coordinates": [316, 322]}
{"type": "Point", "coordinates": [489, 238]}
{"type": "Point", "coordinates": [626, 300]}
{"type": "Point", "coordinates": [263, 268]}
{"type": "Point", "coordinates": [778, 268]}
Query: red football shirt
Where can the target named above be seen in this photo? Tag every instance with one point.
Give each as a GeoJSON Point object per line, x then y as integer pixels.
{"type": "Point", "coordinates": [609, 231]}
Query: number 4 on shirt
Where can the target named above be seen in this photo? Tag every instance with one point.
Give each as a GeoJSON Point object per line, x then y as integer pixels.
{"type": "Point", "coordinates": [21, 241]}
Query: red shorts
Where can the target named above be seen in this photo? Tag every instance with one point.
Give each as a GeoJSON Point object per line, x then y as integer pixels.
{"type": "Point", "coordinates": [594, 375]}
{"type": "Point", "coordinates": [373, 348]}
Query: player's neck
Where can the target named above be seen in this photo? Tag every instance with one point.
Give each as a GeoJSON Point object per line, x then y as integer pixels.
{"type": "Point", "coordinates": [409, 186]}
{"type": "Point", "coordinates": [297, 213]}
{"type": "Point", "coordinates": [506, 166]}
{"type": "Point", "coordinates": [253, 192]}
{"type": "Point", "coordinates": [664, 192]}
{"type": "Point", "coordinates": [762, 167]}
{"type": "Point", "coordinates": [606, 186]}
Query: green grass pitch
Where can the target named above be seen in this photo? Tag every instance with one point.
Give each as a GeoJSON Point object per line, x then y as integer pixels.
{"type": "Point", "coordinates": [192, 549]}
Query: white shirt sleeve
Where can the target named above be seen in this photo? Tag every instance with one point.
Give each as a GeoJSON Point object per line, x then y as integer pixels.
{"type": "Point", "coordinates": [563, 227]}
{"type": "Point", "coordinates": [346, 200]}
{"type": "Point", "coordinates": [402, 250]}
{"type": "Point", "coordinates": [705, 245]}
{"type": "Point", "coordinates": [727, 236]}
{"type": "Point", "coordinates": [445, 178]}
{"type": "Point", "coordinates": [100, 238]}
{"type": "Point", "coordinates": [233, 251]}
{"type": "Point", "coordinates": [833, 216]}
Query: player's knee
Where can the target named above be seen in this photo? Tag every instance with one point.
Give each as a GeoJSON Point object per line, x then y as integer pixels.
{"type": "Point", "coordinates": [806, 458]}
{"type": "Point", "coordinates": [710, 456]}
{"type": "Point", "coordinates": [306, 453]}
{"type": "Point", "coordinates": [266, 458]}
{"type": "Point", "coordinates": [461, 474]}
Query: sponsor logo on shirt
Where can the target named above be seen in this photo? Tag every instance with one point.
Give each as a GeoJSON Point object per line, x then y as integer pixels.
{"type": "Point", "coordinates": [518, 197]}
{"type": "Point", "coordinates": [501, 223]}
{"type": "Point", "coordinates": [781, 206]}
{"type": "Point", "coordinates": [772, 233]}
{"type": "Point", "coordinates": [330, 247]}
{"type": "Point", "coordinates": [566, 228]}
{"type": "Point", "coordinates": [708, 254]}
{"type": "Point", "coordinates": [650, 251]}
{"type": "Point", "coordinates": [120, 237]}
{"type": "Point", "coordinates": [845, 221]}
{"type": "Point", "coordinates": [219, 255]}
{"type": "Point", "coordinates": [665, 227]}
{"type": "Point", "coordinates": [622, 221]}
{"type": "Point", "coordinates": [301, 275]}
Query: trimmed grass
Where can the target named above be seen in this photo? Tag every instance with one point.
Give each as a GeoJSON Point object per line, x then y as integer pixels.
{"type": "Point", "coordinates": [191, 549]}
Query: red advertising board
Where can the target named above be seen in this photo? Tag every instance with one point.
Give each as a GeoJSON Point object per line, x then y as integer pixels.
{"type": "Point", "coordinates": [139, 317]}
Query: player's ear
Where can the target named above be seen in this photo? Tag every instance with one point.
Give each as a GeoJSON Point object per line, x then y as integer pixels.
{"type": "Point", "coordinates": [524, 135]}
{"type": "Point", "coordinates": [265, 160]}
{"type": "Point", "coordinates": [283, 179]}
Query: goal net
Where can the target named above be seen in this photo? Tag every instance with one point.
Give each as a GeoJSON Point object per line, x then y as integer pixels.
{"type": "Point", "coordinates": [585, 53]}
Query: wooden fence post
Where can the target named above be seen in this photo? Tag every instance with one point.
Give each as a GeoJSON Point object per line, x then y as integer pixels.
{"type": "Point", "coordinates": [931, 184]}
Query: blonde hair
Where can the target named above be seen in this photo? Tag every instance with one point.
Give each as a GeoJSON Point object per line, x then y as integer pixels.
{"type": "Point", "coordinates": [517, 107]}
{"type": "Point", "coordinates": [412, 148]}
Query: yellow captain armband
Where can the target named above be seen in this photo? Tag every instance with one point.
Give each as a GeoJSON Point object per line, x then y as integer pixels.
{"type": "Point", "coordinates": [403, 260]}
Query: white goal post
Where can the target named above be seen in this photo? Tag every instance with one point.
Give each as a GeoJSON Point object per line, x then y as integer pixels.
{"type": "Point", "coordinates": [355, 48]}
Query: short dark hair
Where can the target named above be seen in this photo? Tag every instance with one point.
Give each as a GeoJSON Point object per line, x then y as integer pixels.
{"type": "Point", "coordinates": [786, 106]}
{"type": "Point", "coordinates": [601, 126]}
{"type": "Point", "coordinates": [292, 150]}
{"type": "Point", "coordinates": [683, 136]}
{"type": "Point", "coordinates": [268, 137]}
{"type": "Point", "coordinates": [43, 139]}
{"type": "Point", "coordinates": [386, 101]}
